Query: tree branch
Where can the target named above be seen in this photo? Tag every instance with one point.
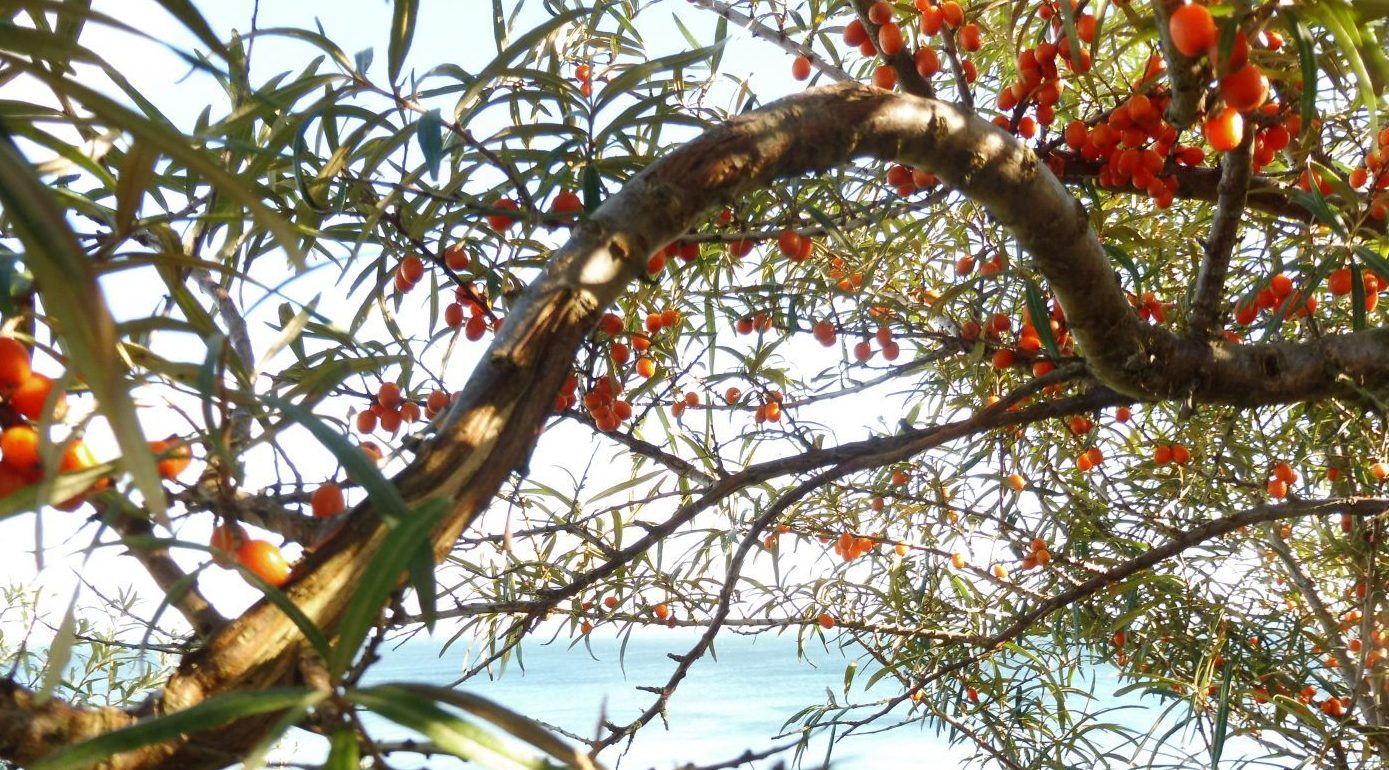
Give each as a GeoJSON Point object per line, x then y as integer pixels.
{"type": "Point", "coordinates": [1186, 75]}
{"type": "Point", "coordinates": [180, 589]}
{"type": "Point", "coordinates": [1236, 168]}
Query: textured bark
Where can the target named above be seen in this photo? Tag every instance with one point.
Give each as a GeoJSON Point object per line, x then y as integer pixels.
{"type": "Point", "coordinates": [1208, 298]}
{"type": "Point", "coordinates": [492, 428]}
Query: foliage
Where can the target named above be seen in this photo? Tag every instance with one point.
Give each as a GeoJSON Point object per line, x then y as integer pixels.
{"type": "Point", "coordinates": [870, 404]}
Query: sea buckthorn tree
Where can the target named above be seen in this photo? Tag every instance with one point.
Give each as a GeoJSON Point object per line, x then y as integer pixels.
{"type": "Point", "coordinates": [1026, 340]}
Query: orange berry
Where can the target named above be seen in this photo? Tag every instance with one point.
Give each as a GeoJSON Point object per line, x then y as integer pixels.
{"type": "Point", "coordinates": [1285, 472]}
{"type": "Point", "coordinates": [1245, 89]}
{"type": "Point", "coordinates": [1180, 454]}
{"type": "Point", "coordinates": [951, 13]}
{"type": "Point", "coordinates": [969, 37]}
{"type": "Point", "coordinates": [800, 68]}
{"type": "Point", "coordinates": [1016, 482]}
{"type": "Point", "coordinates": [1224, 130]}
{"type": "Point", "coordinates": [412, 269]}
{"type": "Point", "coordinates": [825, 620]}
{"type": "Point", "coordinates": [327, 501]}
{"type": "Point", "coordinates": [264, 560]}
{"type": "Point", "coordinates": [366, 421]}
{"type": "Point", "coordinates": [1192, 29]}
{"type": "Point", "coordinates": [885, 77]}
{"type": "Point", "coordinates": [646, 367]}
{"type": "Point", "coordinates": [501, 222]}
{"type": "Point", "coordinates": [19, 446]}
{"type": "Point", "coordinates": [31, 394]}
{"type": "Point", "coordinates": [890, 40]}
{"type": "Point", "coordinates": [226, 539]}
{"type": "Point", "coordinates": [1277, 488]}
{"type": "Point", "coordinates": [389, 395]}
{"type": "Point", "coordinates": [172, 455]}
{"type": "Point", "coordinates": [1338, 283]}
{"type": "Point", "coordinates": [14, 363]}
{"type": "Point", "coordinates": [855, 34]}
{"type": "Point", "coordinates": [566, 202]}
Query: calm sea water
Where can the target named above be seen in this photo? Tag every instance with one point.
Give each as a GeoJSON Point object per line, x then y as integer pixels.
{"type": "Point", "coordinates": [724, 707]}
{"type": "Point", "coordinates": [727, 705]}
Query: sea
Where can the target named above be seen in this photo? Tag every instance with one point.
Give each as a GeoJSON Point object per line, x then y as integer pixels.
{"type": "Point", "coordinates": [736, 700]}
{"type": "Point", "coordinates": [742, 698]}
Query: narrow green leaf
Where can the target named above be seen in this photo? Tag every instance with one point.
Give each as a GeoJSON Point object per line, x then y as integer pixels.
{"type": "Point", "coordinates": [447, 731]}
{"type": "Point", "coordinates": [380, 578]}
{"type": "Point", "coordinates": [363, 59]}
{"type": "Point", "coordinates": [429, 132]}
{"type": "Point", "coordinates": [1122, 257]}
{"type": "Point", "coordinates": [516, 724]}
{"type": "Point", "coordinates": [137, 169]}
{"type": "Point", "coordinates": [59, 653]}
{"type": "Point", "coordinates": [194, 21]}
{"type": "Point", "coordinates": [1222, 720]}
{"type": "Point", "coordinates": [343, 751]}
{"type": "Point", "coordinates": [1307, 58]}
{"type": "Point", "coordinates": [1041, 318]}
{"type": "Point", "coordinates": [71, 295]}
{"type": "Point", "coordinates": [402, 33]}
{"type": "Point", "coordinates": [593, 188]}
{"type": "Point", "coordinates": [306, 626]}
{"type": "Point", "coordinates": [1373, 260]}
{"type": "Point", "coordinates": [204, 716]}
{"type": "Point", "coordinates": [289, 335]}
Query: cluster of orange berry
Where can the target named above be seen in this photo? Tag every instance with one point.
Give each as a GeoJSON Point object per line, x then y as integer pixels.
{"type": "Point", "coordinates": [1037, 555]}
{"type": "Point", "coordinates": [1176, 454]}
{"type": "Point", "coordinates": [1278, 296]}
{"type": "Point", "coordinates": [685, 251]}
{"type": "Point", "coordinates": [849, 547]}
{"type": "Point", "coordinates": [230, 543]}
{"type": "Point", "coordinates": [1281, 478]}
{"type": "Point", "coordinates": [583, 73]}
{"type": "Point", "coordinates": [388, 410]}
{"type": "Point", "coordinates": [465, 311]}
{"type": "Point", "coordinates": [1039, 78]}
{"type": "Point", "coordinates": [26, 393]}
{"type": "Point", "coordinates": [1373, 175]}
{"type": "Point", "coordinates": [907, 181]}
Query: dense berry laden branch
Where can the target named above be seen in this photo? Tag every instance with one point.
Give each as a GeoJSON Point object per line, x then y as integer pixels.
{"type": "Point", "coordinates": [1203, 184]}
{"type": "Point", "coordinates": [492, 427]}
